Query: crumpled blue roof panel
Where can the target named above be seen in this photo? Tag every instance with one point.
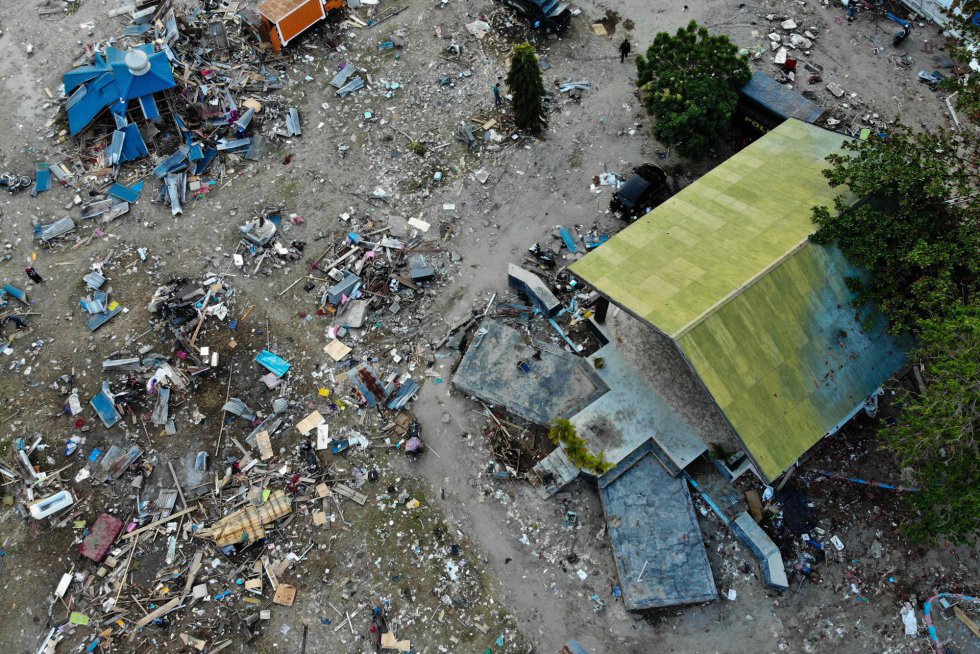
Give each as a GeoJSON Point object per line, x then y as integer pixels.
{"type": "Point", "coordinates": [89, 100]}
{"type": "Point", "coordinates": [78, 76]}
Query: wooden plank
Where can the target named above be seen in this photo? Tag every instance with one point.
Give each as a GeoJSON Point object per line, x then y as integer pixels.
{"type": "Point", "coordinates": [160, 611]}
{"type": "Point", "coordinates": [965, 619]}
{"type": "Point", "coordinates": [350, 493]}
{"type": "Point", "coordinates": [154, 525]}
{"type": "Point", "coordinates": [755, 504]}
{"type": "Point", "coordinates": [309, 423]}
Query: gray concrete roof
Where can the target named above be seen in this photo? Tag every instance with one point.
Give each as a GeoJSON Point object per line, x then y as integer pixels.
{"type": "Point", "coordinates": [556, 385]}
{"type": "Point", "coordinates": [632, 413]}
{"type": "Point", "coordinates": [660, 557]}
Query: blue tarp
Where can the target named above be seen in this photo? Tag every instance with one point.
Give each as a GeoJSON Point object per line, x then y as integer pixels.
{"type": "Point", "coordinates": [273, 363]}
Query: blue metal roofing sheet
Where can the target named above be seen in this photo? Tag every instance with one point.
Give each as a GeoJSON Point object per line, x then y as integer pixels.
{"type": "Point", "coordinates": [159, 78]}
{"type": "Point", "coordinates": [779, 99]}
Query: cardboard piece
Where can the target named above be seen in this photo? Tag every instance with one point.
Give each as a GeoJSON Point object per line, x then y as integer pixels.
{"type": "Point", "coordinates": [309, 423]}
{"type": "Point", "coordinates": [285, 595]}
{"type": "Point", "coordinates": [264, 444]}
{"type": "Point", "coordinates": [388, 641]}
{"type": "Point", "coordinates": [337, 350]}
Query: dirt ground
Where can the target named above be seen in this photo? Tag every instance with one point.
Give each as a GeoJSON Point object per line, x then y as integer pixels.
{"type": "Point", "coordinates": [517, 580]}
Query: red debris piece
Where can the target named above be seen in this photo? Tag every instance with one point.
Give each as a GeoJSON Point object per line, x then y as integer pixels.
{"type": "Point", "coordinates": [99, 541]}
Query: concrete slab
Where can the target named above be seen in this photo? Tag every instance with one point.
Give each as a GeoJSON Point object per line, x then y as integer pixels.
{"type": "Point", "coordinates": [555, 471]}
{"type": "Point", "coordinates": [534, 288]}
{"type": "Point", "coordinates": [632, 413]}
{"type": "Point", "coordinates": [660, 557]}
{"type": "Point", "coordinates": [762, 547]}
{"type": "Point", "coordinates": [555, 384]}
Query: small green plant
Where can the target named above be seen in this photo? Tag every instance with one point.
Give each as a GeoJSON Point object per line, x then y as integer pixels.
{"type": "Point", "coordinates": [418, 147]}
{"type": "Point", "coordinates": [598, 362]}
{"type": "Point", "coordinates": [563, 433]}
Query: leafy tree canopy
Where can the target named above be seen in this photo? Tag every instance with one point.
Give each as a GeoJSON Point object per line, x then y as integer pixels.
{"type": "Point", "coordinates": [689, 83]}
{"type": "Point", "coordinates": [964, 20]}
{"type": "Point", "coordinates": [527, 88]}
{"type": "Point", "coordinates": [936, 435]}
{"type": "Point", "coordinates": [915, 226]}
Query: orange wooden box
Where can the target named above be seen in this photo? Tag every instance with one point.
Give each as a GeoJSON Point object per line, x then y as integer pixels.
{"type": "Point", "coordinates": [289, 18]}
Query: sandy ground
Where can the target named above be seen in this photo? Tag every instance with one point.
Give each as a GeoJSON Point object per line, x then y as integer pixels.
{"type": "Point", "coordinates": [521, 542]}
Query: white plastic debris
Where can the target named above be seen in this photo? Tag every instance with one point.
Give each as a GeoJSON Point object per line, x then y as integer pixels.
{"type": "Point", "coordinates": [908, 619]}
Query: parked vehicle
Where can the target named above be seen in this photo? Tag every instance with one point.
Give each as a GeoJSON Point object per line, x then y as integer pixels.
{"type": "Point", "coordinates": [545, 258]}
{"type": "Point", "coordinates": [549, 14]}
{"type": "Point", "coordinates": [646, 188]}
{"type": "Point", "coordinates": [14, 183]}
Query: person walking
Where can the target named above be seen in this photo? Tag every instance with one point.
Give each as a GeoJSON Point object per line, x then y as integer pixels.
{"type": "Point", "coordinates": [624, 50]}
{"type": "Point", "coordinates": [497, 101]}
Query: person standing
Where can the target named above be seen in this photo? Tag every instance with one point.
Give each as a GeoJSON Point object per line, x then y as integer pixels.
{"type": "Point", "coordinates": [497, 101]}
{"type": "Point", "coordinates": [624, 50]}
{"type": "Point", "coordinates": [35, 277]}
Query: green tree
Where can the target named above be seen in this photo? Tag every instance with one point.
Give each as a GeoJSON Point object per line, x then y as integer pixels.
{"type": "Point", "coordinates": [965, 22]}
{"type": "Point", "coordinates": [563, 432]}
{"type": "Point", "coordinates": [690, 84]}
{"type": "Point", "coordinates": [524, 80]}
{"type": "Point", "coordinates": [909, 218]}
{"type": "Point", "coordinates": [936, 434]}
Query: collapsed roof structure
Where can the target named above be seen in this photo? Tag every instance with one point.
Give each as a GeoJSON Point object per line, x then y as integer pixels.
{"type": "Point", "coordinates": [118, 81]}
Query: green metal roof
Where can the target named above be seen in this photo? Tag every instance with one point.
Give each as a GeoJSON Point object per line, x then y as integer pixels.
{"type": "Point", "coordinates": [680, 261]}
{"type": "Point", "coordinates": [763, 316]}
{"type": "Point", "coordinates": [788, 361]}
